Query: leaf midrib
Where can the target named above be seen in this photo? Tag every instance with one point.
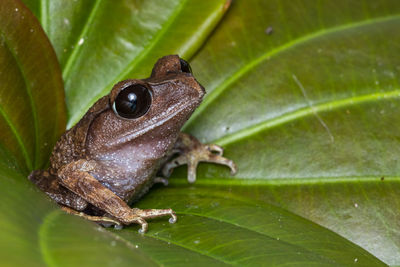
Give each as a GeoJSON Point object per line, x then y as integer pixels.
{"type": "Point", "coordinates": [219, 89]}
{"type": "Point", "coordinates": [29, 162]}
{"type": "Point", "coordinates": [77, 47]}
{"type": "Point", "coordinates": [18, 138]}
{"type": "Point", "coordinates": [308, 110]}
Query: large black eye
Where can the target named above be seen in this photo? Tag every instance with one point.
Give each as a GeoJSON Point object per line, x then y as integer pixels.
{"type": "Point", "coordinates": [132, 102]}
{"type": "Point", "coordinates": [185, 67]}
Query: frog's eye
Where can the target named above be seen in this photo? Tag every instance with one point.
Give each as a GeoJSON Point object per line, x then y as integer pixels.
{"type": "Point", "coordinates": [132, 102]}
{"type": "Point", "coordinates": [185, 67]}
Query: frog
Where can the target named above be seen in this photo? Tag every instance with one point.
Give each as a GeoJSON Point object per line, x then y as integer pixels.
{"type": "Point", "coordinates": [128, 141]}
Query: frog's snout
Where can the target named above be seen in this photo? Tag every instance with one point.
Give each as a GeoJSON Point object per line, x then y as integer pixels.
{"type": "Point", "coordinates": [202, 91]}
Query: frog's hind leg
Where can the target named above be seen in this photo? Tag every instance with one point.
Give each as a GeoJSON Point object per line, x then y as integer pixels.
{"type": "Point", "coordinates": [51, 186]}
{"type": "Point", "coordinates": [76, 177]}
{"type": "Point", "coordinates": [105, 221]}
{"type": "Point", "coordinates": [190, 151]}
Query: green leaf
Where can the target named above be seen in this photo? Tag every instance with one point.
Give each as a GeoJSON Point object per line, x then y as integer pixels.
{"type": "Point", "coordinates": [32, 109]}
{"type": "Point", "coordinates": [309, 112]}
{"type": "Point", "coordinates": [100, 43]}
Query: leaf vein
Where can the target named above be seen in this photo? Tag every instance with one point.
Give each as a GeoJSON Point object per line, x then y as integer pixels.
{"type": "Point", "coordinates": [303, 112]}
{"type": "Point", "coordinates": [30, 162]}
{"type": "Point", "coordinates": [77, 48]}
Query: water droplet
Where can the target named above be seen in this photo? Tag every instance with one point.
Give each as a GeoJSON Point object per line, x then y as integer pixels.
{"type": "Point", "coordinates": [81, 41]}
{"type": "Point", "coordinates": [269, 30]}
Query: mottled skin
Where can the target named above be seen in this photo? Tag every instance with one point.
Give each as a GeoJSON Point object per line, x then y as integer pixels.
{"type": "Point", "coordinates": [105, 161]}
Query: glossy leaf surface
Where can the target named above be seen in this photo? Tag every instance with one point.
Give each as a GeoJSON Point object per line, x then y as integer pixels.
{"type": "Point", "coordinates": [303, 96]}
{"type": "Point", "coordinates": [307, 105]}
{"type": "Point", "coordinates": [32, 109]}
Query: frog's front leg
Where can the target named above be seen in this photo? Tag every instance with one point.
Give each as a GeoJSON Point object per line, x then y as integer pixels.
{"type": "Point", "coordinates": [190, 151]}
{"type": "Point", "coordinates": [75, 176]}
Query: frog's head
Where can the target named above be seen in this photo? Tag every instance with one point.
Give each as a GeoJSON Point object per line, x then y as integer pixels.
{"type": "Point", "coordinates": [170, 91]}
{"type": "Point", "coordinates": [156, 107]}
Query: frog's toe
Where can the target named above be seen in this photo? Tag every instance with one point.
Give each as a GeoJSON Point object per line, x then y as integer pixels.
{"type": "Point", "coordinates": [173, 219]}
{"type": "Point", "coordinates": [218, 159]}
{"type": "Point", "coordinates": [217, 150]}
{"type": "Point", "coordinates": [144, 226]}
{"type": "Point", "coordinates": [171, 165]}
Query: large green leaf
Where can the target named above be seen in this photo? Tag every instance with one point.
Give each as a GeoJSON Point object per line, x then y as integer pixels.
{"type": "Point", "coordinates": [303, 97]}
{"type": "Point", "coordinates": [310, 111]}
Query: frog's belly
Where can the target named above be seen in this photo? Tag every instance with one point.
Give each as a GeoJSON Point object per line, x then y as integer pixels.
{"type": "Point", "coordinates": [128, 180]}
{"type": "Point", "coordinates": [129, 168]}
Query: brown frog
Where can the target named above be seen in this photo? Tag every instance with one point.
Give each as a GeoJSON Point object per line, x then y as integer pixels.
{"type": "Point", "coordinates": [126, 142]}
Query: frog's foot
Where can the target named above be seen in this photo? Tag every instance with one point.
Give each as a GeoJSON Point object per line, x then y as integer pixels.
{"type": "Point", "coordinates": [138, 217]}
{"type": "Point", "coordinates": [141, 215]}
{"type": "Point", "coordinates": [192, 152]}
{"type": "Point", "coordinates": [99, 219]}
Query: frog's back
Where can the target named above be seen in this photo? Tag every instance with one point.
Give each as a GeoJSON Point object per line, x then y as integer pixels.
{"type": "Point", "coordinates": [72, 144]}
